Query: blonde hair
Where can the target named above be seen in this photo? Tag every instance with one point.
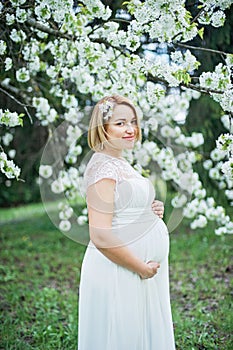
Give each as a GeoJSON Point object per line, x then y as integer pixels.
{"type": "Point", "coordinates": [97, 134]}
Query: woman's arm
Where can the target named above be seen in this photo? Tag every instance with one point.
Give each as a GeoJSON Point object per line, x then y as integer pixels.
{"type": "Point", "coordinates": [100, 203]}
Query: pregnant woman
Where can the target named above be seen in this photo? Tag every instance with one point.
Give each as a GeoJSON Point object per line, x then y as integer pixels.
{"type": "Point", "coordinates": [124, 301]}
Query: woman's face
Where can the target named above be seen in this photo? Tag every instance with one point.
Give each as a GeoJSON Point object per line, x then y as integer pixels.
{"type": "Point", "coordinates": [122, 128]}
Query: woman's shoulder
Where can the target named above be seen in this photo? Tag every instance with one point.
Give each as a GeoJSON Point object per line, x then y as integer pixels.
{"type": "Point", "coordinates": [99, 158]}
{"type": "Point", "coordinates": [101, 166]}
{"type": "Point", "coordinates": [103, 158]}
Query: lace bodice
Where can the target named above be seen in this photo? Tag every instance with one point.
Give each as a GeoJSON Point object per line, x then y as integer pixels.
{"type": "Point", "coordinates": [133, 195]}
{"type": "Point", "coordinates": [103, 166]}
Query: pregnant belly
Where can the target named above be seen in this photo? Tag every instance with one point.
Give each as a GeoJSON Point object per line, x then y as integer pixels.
{"type": "Point", "coordinates": [143, 232]}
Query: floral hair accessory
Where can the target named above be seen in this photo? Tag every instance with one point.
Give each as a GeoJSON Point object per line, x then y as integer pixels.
{"type": "Point", "coordinates": [107, 109]}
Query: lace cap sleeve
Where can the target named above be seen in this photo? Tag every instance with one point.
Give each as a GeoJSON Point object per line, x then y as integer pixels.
{"type": "Point", "coordinates": [100, 167]}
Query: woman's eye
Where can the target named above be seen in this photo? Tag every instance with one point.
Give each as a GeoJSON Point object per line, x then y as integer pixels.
{"type": "Point", "coordinates": [133, 122]}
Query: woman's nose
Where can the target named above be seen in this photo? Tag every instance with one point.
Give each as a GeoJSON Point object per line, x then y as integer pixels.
{"type": "Point", "coordinates": [129, 128]}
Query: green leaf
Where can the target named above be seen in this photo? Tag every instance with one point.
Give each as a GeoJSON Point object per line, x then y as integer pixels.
{"type": "Point", "coordinates": [201, 32]}
{"type": "Point", "coordinates": [21, 115]}
{"type": "Point", "coordinates": [145, 172]}
{"type": "Point", "coordinates": [182, 75]}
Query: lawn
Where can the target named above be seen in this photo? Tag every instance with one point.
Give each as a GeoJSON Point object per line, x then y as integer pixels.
{"type": "Point", "coordinates": [39, 278]}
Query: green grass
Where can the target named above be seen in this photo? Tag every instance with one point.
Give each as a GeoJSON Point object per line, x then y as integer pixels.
{"type": "Point", "coordinates": [39, 278]}
{"type": "Point", "coordinates": [201, 277]}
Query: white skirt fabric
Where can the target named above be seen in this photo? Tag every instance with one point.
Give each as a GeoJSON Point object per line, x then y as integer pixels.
{"type": "Point", "coordinates": [117, 309]}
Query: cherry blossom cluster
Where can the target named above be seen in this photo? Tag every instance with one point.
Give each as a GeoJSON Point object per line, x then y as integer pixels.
{"type": "Point", "coordinates": [8, 167]}
{"type": "Point", "coordinates": [225, 147]}
{"type": "Point", "coordinates": [82, 50]}
{"type": "Point", "coordinates": [10, 119]}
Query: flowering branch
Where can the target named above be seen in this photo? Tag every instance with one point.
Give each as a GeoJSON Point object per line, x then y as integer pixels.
{"type": "Point", "coordinates": [84, 52]}
{"type": "Point", "coordinates": [156, 79]}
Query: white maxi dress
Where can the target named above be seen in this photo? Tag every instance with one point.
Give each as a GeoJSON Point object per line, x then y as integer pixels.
{"type": "Point", "coordinates": [117, 309]}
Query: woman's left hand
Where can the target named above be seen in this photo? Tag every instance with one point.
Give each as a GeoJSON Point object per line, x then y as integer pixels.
{"type": "Point", "coordinates": [158, 208]}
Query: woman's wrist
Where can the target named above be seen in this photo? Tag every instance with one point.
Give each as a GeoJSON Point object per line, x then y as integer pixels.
{"type": "Point", "coordinates": [149, 269]}
{"type": "Point", "coordinates": [145, 271]}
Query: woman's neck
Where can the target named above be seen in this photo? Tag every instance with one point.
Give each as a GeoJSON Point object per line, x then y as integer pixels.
{"type": "Point", "coordinates": [113, 153]}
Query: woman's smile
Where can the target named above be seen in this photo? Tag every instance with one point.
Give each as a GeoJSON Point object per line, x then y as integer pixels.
{"type": "Point", "coordinates": [129, 138]}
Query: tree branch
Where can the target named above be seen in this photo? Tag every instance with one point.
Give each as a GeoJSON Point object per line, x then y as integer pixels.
{"type": "Point", "coordinates": [156, 79]}
{"type": "Point", "coordinates": [15, 90]}
{"type": "Point", "coordinates": [200, 48]}
{"type": "Point", "coordinates": [121, 20]}
{"type": "Point", "coordinates": [107, 44]}
{"type": "Point", "coordinates": [198, 15]}
{"type": "Point", "coordinates": [43, 28]}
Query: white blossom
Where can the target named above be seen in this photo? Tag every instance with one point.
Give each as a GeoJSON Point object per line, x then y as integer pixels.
{"type": "Point", "coordinates": [10, 19]}
{"type": "Point", "coordinates": [100, 10]}
{"type": "Point", "coordinates": [217, 154]}
{"type": "Point", "coordinates": [179, 201]}
{"type": "Point", "coordinates": [41, 105]}
{"type": "Point", "coordinates": [17, 36]}
{"type": "Point", "coordinates": [12, 153]}
{"type": "Point", "coordinates": [218, 18]}
{"type": "Point", "coordinates": [7, 138]}
{"type": "Point", "coordinates": [2, 47]}
{"type": "Point", "coordinates": [3, 158]}
{"type": "Point", "coordinates": [65, 225]}
{"type": "Point", "coordinates": [57, 186]}
{"type": "Point", "coordinates": [190, 210]}
{"type": "Point", "coordinates": [207, 164]}
{"type": "Point", "coordinates": [11, 119]}
{"type": "Point", "coordinates": [8, 63]}
{"type": "Point", "coordinates": [225, 143]}
{"type": "Point", "coordinates": [226, 100]}
{"type": "Point", "coordinates": [227, 168]}
{"type": "Point", "coordinates": [82, 219]}
{"type": "Point", "coordinates": [45, 171]}
{"type": "Point", "coordinates": [220, 230]}
{"type": "Point", "coordinates": [229, 227]}
{"type": "Point", "coordinates": [229, 60]}
{"type": "Point", "coordinates": [69, 101]}
{"type": "Point", "coordinates": [21, 15]}
{"type": "Point", "coordinates": [221, 185]}
{"type": "Point", "coordinates": [229, 194]}
{"type": "Point", "coordinates": [73, 115]}
{"type": "Point", "coordinates": [201, 221]}
{"type": "Point", "coordinates": [225, 119]}
{"type": "Point", "coordinates": [22, 75]}
{"type": "Point", "coordinates": [66, 213]}
{"type": "Point", "coordinates": [200, 193]}
{"type": "Point", "coordinates": [195, 140]}
{"type": "Point", "coordinates": [8, 167]}
{"type": "Point", "coordinates": [167, 131]}
{"type": "Point", "coordinates": [42, 11]}
{"type": "Point", "coordinates": [214, 174]}
{"type": "Point", "coordinates": [73, 133]}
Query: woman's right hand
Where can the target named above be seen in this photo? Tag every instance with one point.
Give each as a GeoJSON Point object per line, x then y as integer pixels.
{"type": "Point", "coordinates": [150, 269]}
